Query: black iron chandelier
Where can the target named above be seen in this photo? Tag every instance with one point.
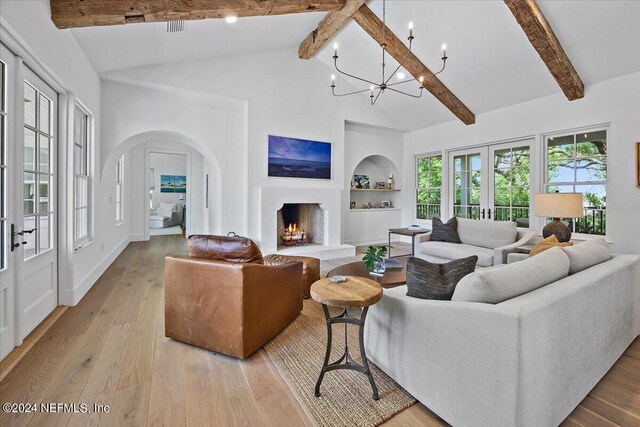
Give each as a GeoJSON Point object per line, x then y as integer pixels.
{"type": "Point", "coordinates": [376, 89]}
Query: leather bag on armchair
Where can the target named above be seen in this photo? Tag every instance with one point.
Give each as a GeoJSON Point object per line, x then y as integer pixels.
{"type": "Point", "coordinates": [224, 298]}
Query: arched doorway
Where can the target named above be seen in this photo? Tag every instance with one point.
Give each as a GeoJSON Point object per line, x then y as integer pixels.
{"type": "Point", "coordinates": [211, 179]}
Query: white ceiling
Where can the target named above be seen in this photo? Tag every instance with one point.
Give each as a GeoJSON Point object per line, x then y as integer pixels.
{"type": "Point", "coordinates": [491, 63]}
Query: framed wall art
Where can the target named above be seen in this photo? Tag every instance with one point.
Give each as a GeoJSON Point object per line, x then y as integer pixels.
{"type": "Point", "coordinates": [298, 158]}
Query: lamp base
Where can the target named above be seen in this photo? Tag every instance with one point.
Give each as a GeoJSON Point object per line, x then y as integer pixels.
{"type": "Point", "coordinates": [557, 228]}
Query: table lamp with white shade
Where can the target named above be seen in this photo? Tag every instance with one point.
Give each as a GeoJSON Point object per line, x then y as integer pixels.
{"type": "Point", "coordinates": [556, 206]}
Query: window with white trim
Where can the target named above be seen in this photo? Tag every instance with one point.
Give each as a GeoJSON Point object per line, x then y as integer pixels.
{"type": "Point", "coordinates": [428, 186]}
{"type": "Point", "coordinates": [81, 177]}
{"type": "Point", "coordinates": [577, 162]}
{"type": "Point", "coordinates": [120, 190]}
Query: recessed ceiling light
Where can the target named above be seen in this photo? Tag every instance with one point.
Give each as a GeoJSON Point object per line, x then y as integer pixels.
{"type": "Point", "coordinates": [231, 19]}
{"type": "Point", "coordinates": [400, 75]}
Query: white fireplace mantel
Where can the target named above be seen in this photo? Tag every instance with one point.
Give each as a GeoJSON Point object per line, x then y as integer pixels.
{"type": "Point", "coordinates": [272, 199]}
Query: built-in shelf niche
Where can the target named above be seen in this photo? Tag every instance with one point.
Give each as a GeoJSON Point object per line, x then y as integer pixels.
{"type": "Point", "coordinates": [377, 168]}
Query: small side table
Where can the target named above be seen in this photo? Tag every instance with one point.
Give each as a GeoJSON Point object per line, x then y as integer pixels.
{"type": "Point", "coordinates": [406, 232]}
{"type": "Point", "coordinates": [355, 292]}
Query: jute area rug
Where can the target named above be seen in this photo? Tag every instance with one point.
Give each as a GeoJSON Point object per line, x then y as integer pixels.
{"type": "Point", "coordinates": [298, 353]}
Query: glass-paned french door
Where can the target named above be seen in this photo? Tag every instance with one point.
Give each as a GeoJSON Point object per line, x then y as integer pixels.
{"type": "Point", "coordinates": [28, 249]}
{"type": "Point", "coordinates": [491, 182]}
{"type": "Point", "coordinates": [7, 215]}
{"type": "Point", "coordinates": [39, 281]}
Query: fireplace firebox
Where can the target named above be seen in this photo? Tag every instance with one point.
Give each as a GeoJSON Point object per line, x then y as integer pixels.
{"type": "Point", "coordinates": [300, 224]}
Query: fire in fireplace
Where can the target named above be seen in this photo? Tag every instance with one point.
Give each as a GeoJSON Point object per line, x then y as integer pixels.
{"type": "Point", "coordinates": [300, 224]}
{"type": "Point", "coordinates": [292, 235]}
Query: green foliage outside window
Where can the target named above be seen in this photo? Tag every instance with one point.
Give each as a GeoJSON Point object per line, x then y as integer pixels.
{"type": "Point", "coordinates": [429, 186]}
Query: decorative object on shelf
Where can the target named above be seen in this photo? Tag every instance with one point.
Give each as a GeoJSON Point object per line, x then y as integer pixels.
{"type": "Point", "coordinates": [298, 158]}
{"type": "Point", "coordinates": [558, 205]}
{"type": "Point", "coordinates": [353, 205]}
{"type": "Point", "coordinates": [376, 89]}
{"type": "Point", "coordinates": [374, 259]}
{"type": "Point", "coordinates": [380, 185]}
{"type": "Point", "coordinates": [361, 181]}
{"type": "Point", "coordinates": [370, 205]}
{"type": "Point", "coordinates": [390, 183]}
{"type": "Point", "coordinates": [387, 204]}
{"type": "Point", "coordinates": [173, 184]}
{"type": "Point", "coordinates": [638, 164]}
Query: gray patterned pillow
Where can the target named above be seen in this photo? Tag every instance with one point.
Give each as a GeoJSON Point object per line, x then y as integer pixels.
{"type": "Point", "coordinates": [428, 280]}
{"type": "Point", "coordinates": [447, 232]}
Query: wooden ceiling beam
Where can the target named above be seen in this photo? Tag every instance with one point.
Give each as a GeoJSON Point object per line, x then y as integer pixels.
{"type": "Point", "coordinates": [89, 13]}
{"type": "Point", "coordinates": [327, 28]}
{"type": "Point", "coordinates": [545, 42]}
{"type": "Point", "coordinates": [400, 52]}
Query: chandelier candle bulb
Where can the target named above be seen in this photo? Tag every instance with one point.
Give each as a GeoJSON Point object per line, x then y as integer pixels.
{"type": "Point", "coordinates": [335, 50]}
{"type": "Point", "coordinates": [410, 29]}
{"type": "Point", "coordinates": [400, 76]}
{"type": "Point", "coordinates": [231, 19]}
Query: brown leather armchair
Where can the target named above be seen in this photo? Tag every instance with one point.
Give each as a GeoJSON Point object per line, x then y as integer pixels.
{"type": "Point", "coordinates": [310, 269]}
{"type": "Point", "coordinates": [223, 296]}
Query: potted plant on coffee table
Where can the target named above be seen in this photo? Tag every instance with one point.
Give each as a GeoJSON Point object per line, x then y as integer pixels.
{"type": "Point", "coordinates": [374, 259]}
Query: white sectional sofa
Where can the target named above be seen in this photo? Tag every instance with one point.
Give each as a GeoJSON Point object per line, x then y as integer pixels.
{"type": "Point", "coordinates": [526, 361]}
{"type": "Point", "coordinates": [491, 241]}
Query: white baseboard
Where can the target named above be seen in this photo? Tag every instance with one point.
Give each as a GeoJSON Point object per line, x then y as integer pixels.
{"type": "Point", "coordinates": [138, 237]}
{"type": "Point", "coordinates": [92, 278]}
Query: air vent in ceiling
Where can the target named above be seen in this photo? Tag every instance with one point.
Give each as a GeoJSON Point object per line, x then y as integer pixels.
{"type": "Point", "coordinates": [175, 26]}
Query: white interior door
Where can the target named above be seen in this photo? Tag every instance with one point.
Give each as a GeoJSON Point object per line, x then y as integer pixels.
{"type": "Point", "coordinates": [7, 174]}
{"type": "Point", "coordinates": [468, 170]}
{"type": "Point", "coordinates": [38, 287]}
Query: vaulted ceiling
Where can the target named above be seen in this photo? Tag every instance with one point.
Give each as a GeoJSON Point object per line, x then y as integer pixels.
{"type": "Point", "coordinates": [491, 62]}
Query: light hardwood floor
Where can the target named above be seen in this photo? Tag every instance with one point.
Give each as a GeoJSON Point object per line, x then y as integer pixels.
{"type": "Point", "coordinates": [110, 349]}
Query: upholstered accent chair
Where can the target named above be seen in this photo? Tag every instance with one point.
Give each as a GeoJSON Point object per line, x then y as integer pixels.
{"type": "Point", "coordinates": [226, 298]}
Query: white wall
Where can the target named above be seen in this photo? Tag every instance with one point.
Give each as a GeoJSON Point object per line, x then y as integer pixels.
{"type": "Point", "coordinates": [213, 127]}
{"type": "Point", "coordinates": [614, 101]}
{"type": "Point", "coordinates": [167, 164]}
{"type": "Point", "coordinates": [284, 95]}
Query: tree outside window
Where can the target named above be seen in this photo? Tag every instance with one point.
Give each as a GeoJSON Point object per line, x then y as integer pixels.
{"type": "Point", "coordinates": [429, 187]}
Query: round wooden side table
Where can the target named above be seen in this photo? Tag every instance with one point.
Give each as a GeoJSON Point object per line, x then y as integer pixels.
{"type": "Point", "coordinates": [356, 292]}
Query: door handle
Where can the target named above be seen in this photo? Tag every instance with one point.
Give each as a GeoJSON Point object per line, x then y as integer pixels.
{"type": "Point", "coordinates": [15, 233]}
{"type": "Point", "coordinates": [489, 213]}
{"type": "Point", "coordinates": [482, 213]}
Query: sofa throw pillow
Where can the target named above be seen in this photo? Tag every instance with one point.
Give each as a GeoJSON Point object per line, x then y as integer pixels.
{"type": "Point", "coordinates": [587, 254]}
{"type": "Point", "coordinates": [429, 280]}
{"type": "Point", "coordinates": [445, 232]}
{"type": "Point", "coordinates": [547, 243]}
